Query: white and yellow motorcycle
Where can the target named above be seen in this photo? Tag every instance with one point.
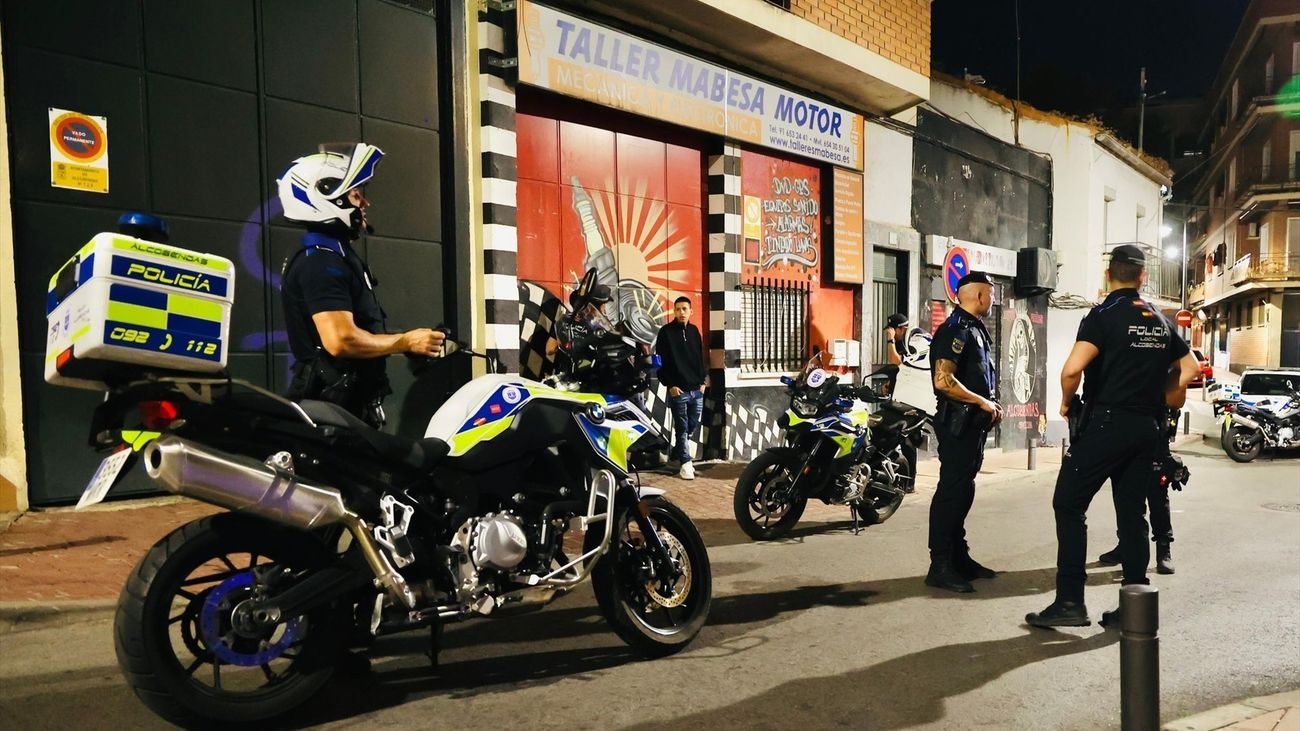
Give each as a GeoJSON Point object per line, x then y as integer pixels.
{"type": "Point", "coordinates": [337, 531]}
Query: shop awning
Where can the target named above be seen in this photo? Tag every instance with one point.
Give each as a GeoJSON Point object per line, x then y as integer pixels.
{"type": "Point", "coordinates": [763, 38]}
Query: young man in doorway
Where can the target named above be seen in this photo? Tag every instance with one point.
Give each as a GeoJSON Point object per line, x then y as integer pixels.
{"type": "Point", "coordinates": [682, 349]}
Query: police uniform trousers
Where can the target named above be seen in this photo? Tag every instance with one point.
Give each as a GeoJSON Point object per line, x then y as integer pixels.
{"type": "Point", "coordinates": [960, 459]}
{"type": "Point", "coordinates": [1117, 445]}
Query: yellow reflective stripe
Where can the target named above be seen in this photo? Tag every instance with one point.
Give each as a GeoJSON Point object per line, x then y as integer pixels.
{"type": "Point", "coordinates": [566, 395]}
{"type": "Point", "coordinates": [183, 256]}
{"type": "Point", "coordinates": [137, 315]}
{"type": "Point", "coordinates": [80, 332]}
{"type": "Point", "coordinates": [138, 439]}
{"type": "Point", "coordinates": [795, 418]}
{"type": "Point", "coordinates": [193, 307]}
{"type": "Point", "coordinates": [845, 445]}
{"type": "Point", "coordinates": [620, 440]}
{"type": "Point", "coordinates": [466, 440]}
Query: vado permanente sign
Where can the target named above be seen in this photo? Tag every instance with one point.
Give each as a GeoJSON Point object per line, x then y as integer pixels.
{"type": "Point", "coordinates": [578, 58]}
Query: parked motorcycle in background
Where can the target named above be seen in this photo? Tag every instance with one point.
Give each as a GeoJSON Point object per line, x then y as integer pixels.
{"type": "Point", "coordinates": [1272, 423]}
{"type": "Point", "coordinates": [834, 451]}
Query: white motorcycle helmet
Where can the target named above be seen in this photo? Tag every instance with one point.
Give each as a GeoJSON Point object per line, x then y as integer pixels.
{"type": "Point", "coordinates": [314, 189]}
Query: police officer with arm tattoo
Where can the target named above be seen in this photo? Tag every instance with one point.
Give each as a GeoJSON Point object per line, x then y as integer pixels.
{"type": "Point", "coordinates": [1122, 355]}
{"type": "Point", "coordinates": [964, 380]}
{"type": "Point", "coordinates": [335, 324]}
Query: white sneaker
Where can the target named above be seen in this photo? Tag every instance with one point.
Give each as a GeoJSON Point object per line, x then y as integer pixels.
{"type": "Point", "coordinates": [687, 472]}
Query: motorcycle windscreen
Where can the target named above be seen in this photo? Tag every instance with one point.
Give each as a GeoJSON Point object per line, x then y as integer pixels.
{"type": "Point", "coordinates": [915, 385]}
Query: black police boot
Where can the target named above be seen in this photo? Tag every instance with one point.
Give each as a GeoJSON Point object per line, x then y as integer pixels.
{"type": "Point", "coordinates": [1164, 562]}
{"type": "Point", "coordinates": [1110, 558]}
{"type": "Point", "coordinates": [1109, 618]}
{"type": "Point", "coordinates": [970, 569]}
{"type": "Point", "coordinates": [1060, 614]}
{"type": "Point", "coordinates": [944, 576]}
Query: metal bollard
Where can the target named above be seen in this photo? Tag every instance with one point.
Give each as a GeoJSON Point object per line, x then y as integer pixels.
{"type": "Point", "coordinates": [1187, 423]}
{"type": "Point", "coordinates": [1033, 454]}
{"type": "Point", "coordinates": [1139, 658]}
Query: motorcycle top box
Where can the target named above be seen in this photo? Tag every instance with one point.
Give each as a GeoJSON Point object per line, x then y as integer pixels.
{"type": "Point", "coordinates": [122, 302]}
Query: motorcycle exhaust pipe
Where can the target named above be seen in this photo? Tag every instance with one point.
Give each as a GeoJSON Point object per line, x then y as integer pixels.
{"type": "Point", "coordinates": [184, 468]}
{"type": "Point", "coordinates": [1239, 420]}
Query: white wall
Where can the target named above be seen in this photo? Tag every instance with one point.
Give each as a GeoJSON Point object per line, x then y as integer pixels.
{"type": "Point", "coordinates": [887, 173]}
{"type": "Point", "coordinates": [1083, 174]}
{"type": "Point", "coordinates": [13, 459]}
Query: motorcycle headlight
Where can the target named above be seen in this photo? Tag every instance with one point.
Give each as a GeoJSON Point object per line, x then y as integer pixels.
{"type": "Point", "coordinates": [804, 408]}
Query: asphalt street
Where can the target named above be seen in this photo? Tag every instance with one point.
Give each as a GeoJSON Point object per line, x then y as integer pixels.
{"type": "Point", "coordinates": [825, 630]}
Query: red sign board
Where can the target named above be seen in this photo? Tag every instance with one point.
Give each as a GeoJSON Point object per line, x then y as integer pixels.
{"type": "Point", "coordinates": [1183, 318]}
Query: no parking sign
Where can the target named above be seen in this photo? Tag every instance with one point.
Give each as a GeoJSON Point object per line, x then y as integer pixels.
{"type": "Point", "coordinates": [78, 151]}
{"type": "Point", "coordinates": [955, 266]}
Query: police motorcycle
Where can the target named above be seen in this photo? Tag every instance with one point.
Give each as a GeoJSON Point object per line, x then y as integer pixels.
{"type": "Point", "coordinates": [834, 451]}
{"type": "Point", "coordinates": [338, 533]}
{"type": "Point", "coordinates": [1268, 423]}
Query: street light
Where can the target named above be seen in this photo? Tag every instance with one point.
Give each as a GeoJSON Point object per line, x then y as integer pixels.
{"type": "Point", "coordinates": [1165, 230]}
{"type": "Point", "coordinates": [1172, 252]}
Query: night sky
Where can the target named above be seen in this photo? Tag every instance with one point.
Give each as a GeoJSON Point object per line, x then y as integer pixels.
{"type": "Point", "coordinates": [1083, 58]}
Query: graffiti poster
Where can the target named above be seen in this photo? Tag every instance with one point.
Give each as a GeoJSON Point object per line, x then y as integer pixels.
{"type": "Point", "coordinates": [627, 206]}
{"type": "Point", "coordinates": [783, 217]}
{"type": "Point", "coordinates": [1022, 369]}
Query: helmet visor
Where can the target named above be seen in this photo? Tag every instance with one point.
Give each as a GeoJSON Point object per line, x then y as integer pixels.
{"type": "Point", "coordinates": [357, 162]}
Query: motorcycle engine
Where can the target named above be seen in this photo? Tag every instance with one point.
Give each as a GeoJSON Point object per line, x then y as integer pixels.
{"type": "Point", "coordinates": [499, 542]}
{"type": "Point", "coordinates": [1286, 435]}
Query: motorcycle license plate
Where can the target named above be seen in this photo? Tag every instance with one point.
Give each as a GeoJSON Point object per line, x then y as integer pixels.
{"type": "Point", "coordinates": [103, 478]}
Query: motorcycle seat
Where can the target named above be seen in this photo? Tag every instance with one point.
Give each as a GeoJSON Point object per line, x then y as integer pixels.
{"type": "Point", "coordinates": [418, 454]}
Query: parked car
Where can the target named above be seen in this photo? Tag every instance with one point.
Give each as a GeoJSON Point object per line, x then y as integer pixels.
{"type": "Point", "coordinates": [1207, 371]}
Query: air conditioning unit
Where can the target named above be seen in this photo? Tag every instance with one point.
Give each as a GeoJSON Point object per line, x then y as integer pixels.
{"type": "Point", "coordinates": [1035, 271]}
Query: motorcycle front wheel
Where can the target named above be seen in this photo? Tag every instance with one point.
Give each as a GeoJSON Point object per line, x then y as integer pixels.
{"type": "Point", "coordinates": [765, 504]}
{"type": "Point", "coordinates": [654, 614]}
{"type": "Point", "coordinates": [1242, 445]}
{"type": "Point", "coordinates": [186, 649]}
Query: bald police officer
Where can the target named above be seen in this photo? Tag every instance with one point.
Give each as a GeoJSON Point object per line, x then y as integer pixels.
{"type": "Point", "coordinates": [964, 384]}
{"type": "Point", "coordinates": [1122, 355]}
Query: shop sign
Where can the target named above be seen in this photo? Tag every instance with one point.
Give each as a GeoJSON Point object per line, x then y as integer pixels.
{"type": "Point", "coordinates": [848, 236]}
{"type": "Point", "coordinates": [980, 258]}
{"type": "Point", "coordinates": [78, 151]}
{"type": "Point", "coordinates": [572, 56]}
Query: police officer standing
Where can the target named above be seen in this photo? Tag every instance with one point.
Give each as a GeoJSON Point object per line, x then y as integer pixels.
{"type": "Point", "coordinates": [1122, 355]}
{"type": "Point", "coordinates": [335, 324]}
{"type": "Point", "coordinates": [964, 380]}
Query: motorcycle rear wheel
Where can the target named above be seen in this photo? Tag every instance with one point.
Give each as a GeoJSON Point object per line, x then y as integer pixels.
{"type": "Point", "coordinates": [182, 596]}
{"type": "Point", "coordinates": [1241, 446]}
{"type": "Point", "coordinates": [764, 505]}
{"type": "Point", "coordinates": [654, 617]}
{"type": "Point", "coordinates": [880, 510]}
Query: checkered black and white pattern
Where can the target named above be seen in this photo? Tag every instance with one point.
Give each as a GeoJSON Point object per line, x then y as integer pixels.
{"type": "Point", "coordinates": [725, 231]}
{"type": "Point", "coordinates": [538, 311]}
{"type": "Point", "coordinates": [751, 427]}
{"type": "Point", "coordinates": [500, 152]}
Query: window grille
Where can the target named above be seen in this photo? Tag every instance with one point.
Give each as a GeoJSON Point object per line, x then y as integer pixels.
{"type": "Point", "coordinates": [773, 326]}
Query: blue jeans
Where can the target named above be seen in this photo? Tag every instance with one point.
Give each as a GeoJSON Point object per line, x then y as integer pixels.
{"type": "Point", "coordinates": [686, 419]}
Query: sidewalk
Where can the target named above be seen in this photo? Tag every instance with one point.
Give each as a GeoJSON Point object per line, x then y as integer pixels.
{"type": "Point", "coordinates": [1280, 712]}
{"type": "Point", "coordinates": [61, 560]}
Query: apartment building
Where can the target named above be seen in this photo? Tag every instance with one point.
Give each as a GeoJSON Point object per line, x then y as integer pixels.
{"type": "Point", "coordinates": [1243, 225]}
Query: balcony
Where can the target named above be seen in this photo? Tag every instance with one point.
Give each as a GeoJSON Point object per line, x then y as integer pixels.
{"type": "Point", "coordinates": [1265, 179]}
{"type": "Point", "coordinates": [1164, 276]}
{"type": "Point", "coordinates": [1248, 272]}
{"type": "Point", "coordinates": [1268, 268]}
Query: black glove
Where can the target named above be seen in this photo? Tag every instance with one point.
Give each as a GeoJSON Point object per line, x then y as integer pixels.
{"type": "Point", "coordinates": [1173, 472]}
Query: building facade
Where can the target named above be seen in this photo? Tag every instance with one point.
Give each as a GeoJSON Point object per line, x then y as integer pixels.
{"type": "Point", "coordinates": [198, 112]}
{"type": "Point", "coordinates": [699, 148]}
{"type": "Point", "coordinates": [1082, 193]}
{"type": "Point", "coordinates": [1244, 218]}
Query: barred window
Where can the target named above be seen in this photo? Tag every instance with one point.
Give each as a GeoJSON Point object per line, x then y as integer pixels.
{"type": "Point", "coordinates": [774, 325]}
